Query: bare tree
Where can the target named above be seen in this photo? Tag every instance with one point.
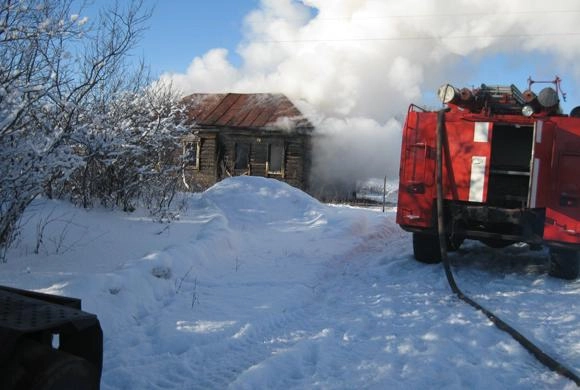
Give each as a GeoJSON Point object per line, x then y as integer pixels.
{"type": "Point", "coordinates": [53, 62]}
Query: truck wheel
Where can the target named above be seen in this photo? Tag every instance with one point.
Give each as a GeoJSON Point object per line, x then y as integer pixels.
{"type": "Point", "coordinates": [51, 369]}
{"type": "Point", "coordinates": [564, 263]}
{"type": "Point", "coordinates": [66, 371]}
{"type": "Point", "coordinates": [426, 248]}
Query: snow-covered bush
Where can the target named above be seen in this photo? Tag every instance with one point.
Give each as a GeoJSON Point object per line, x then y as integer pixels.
{"type": "Point", "coordinates": [128, 154]}
{"type": "Point", "coordinates": [52, 64]}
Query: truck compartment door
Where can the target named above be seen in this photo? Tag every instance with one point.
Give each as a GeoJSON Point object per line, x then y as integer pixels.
{"type": "Point", "coordinates": [563, 208]}
{"type": "Point", "coordinates": [416, 176]}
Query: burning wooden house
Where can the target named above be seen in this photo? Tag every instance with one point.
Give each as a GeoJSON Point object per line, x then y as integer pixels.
{"type": "Point", "coordinates": [245, 134]}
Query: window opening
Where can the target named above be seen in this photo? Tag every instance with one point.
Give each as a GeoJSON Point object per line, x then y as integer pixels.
{"type": "Point", "coordinates": [275, 158]}
{"type": "Point", "coordinates": [242, 156]}
{"type": "Point", "coordinates": [191, 151]}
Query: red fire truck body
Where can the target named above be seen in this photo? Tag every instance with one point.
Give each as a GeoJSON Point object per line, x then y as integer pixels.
{"type": "Point", "coordinates": [506, 177]}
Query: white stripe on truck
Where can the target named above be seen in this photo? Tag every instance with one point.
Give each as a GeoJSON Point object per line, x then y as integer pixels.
{"type": "Point", "coordinates": [477, 178]}
{"type": "Point", "coordinates": [534, 189]}
{"type": "Point", "coordinates": [481, 132]}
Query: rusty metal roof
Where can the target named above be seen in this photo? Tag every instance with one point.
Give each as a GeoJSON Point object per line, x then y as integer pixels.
{"type": "Point", "coordinates": [234, 110]}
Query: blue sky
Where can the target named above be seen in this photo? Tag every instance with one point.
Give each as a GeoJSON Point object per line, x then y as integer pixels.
{"type": "Point", "coordinates": [179, 30]}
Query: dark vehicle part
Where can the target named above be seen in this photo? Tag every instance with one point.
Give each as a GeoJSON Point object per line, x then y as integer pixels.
{"type": "Point", "coordinates": [48, 343]}
{"type": "Point", "coordinates": [426, 248]}
{"type": "Point", "coordinates": [564, 263]}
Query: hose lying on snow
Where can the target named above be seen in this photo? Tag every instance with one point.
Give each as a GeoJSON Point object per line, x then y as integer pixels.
{"type": "Point", "coordinates": [548, 361]}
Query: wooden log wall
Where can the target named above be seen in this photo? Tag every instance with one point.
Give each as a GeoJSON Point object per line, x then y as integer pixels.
{"type": "Point", "coordinates": [296, 156]}
{"type": "Point", "coordinates": [217, 157]}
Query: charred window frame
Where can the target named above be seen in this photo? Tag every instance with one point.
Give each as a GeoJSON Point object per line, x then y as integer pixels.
{"type": "Point", "coordinates": [191, 153]}
{"type": "Point", "coordinates": [276, 158]}
{"type": "Point", "coordinates": [242, 157]}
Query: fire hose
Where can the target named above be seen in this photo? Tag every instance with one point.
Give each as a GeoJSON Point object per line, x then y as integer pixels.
{"type": "Point", "coordinates": [540, 355]}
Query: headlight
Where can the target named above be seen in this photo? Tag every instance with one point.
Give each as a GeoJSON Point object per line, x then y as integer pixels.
{"type": "Point", "coordinates": [527, 110]}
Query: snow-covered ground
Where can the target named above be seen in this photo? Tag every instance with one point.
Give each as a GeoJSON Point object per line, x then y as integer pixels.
{"type": "Point", "coordinates": [258, 286]}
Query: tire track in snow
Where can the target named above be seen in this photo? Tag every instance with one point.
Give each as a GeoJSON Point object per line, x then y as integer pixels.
{"type": "Point", "coordinates": [211, 360]}
{"type": "Point", "coordinates": [253, 344]}
{"type": "Point", "coordinates": [295, 331]}
{"type": "Point", "coordinates": [228, 355]}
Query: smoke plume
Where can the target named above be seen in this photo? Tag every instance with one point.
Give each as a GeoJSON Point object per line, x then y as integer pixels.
{"type": "Point", "coordinates": [354, 66]}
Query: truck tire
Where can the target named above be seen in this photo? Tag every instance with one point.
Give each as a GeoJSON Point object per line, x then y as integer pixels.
{"type": "Point", "coordinates": [65, 371]}
{"type": "Point", "coordinates": [426, 248]}
{"type": "Point", "coordinates": [564, 263]}
{"type": "Point", "coordinates": [46, 368]}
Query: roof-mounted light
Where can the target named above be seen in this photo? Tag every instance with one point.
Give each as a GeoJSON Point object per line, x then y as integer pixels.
{"type": "Point", "coordinates": [447, 93]}
{"type": "Point", "coordinates": [528, 110]}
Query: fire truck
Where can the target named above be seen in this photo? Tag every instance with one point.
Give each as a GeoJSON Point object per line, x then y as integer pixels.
{"type": "Point", "coordinates": [506, 164]}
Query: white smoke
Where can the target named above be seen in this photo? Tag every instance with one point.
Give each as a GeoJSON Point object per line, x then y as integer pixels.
{"type": "Point", "coordinates": [354, 66]}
